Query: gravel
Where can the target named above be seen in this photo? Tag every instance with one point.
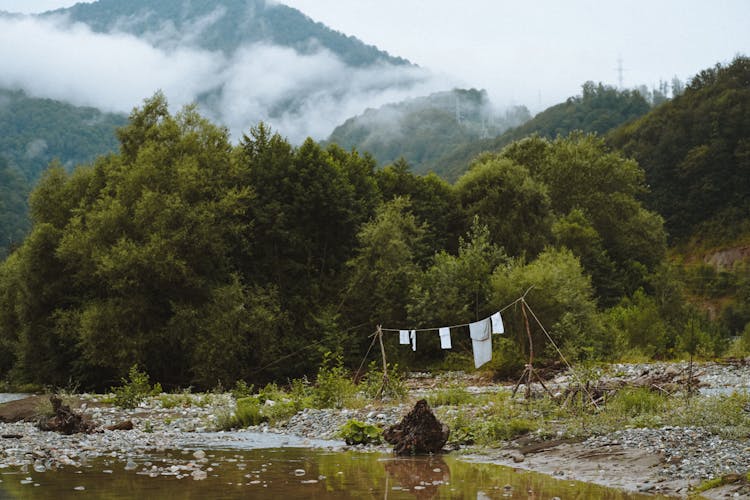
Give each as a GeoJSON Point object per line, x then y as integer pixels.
{"type": "Point", "coordinates": [688, 452]}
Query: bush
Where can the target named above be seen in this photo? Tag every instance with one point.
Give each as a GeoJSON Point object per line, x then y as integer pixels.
{"type": "Point", "coordinates": [373, 381]}
{"type": "Point", "coordinates": [135, 389]}
{"type": "Point", "coordinates": [242, 390]}
{"type": "Point", "coordinates": [356, 432]}
{"type": "Point", "coordinates": [333, 388]}
{"type": "Point", "coordinates": [248, 412]}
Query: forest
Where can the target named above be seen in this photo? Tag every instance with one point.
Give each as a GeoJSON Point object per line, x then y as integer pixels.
{"type": "Point", "coordinates": [204, 262]}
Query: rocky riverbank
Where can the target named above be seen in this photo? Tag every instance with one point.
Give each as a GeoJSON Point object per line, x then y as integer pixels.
{"type": "Point", "coordinates": [660, 459]}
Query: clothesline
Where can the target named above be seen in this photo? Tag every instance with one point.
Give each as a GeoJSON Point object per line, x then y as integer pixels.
{"type": "Point", "coordinates": [453, 326]}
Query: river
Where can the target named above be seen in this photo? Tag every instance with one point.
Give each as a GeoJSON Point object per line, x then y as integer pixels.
{"type": "Point", "coordinates": [290, 473]}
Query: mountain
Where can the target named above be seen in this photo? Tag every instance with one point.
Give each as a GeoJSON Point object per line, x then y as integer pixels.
{"type": "Point", "coordinates": [223, 25]}
{"type": "Point", "coordinates": [35, 131]}
{"type": "Point", "coordinates": [695, 150]}
{"type": "Point", "coordinates": [424, 129]}
{"type": "Point", "coordinates": [599, 109]}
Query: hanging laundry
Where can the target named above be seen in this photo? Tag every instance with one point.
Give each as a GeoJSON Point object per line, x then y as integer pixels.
{"type": "Point", "coordinates": [413, 336]}
{"type": "Point", "coordinates": [445, 338]}
{"type": "Point", "coordinates": [481, 341]}
{"type": "Point", "coordinates": [403, 337]}
{"type": "Point", "coordinates": [497, 323]}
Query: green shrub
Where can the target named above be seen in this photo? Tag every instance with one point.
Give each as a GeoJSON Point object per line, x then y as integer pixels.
{"type": "Point", "coordinates": [248, 412]}
{"type": "Point", "coordinates": [356, 432]}
{"type": "Point", "coordinates": [135, 389]}
{"type": "Point", "coordinates": [242, 390]}
{"type": "Point", "coordinates": [333, 387]}
{"type": "Point", "coordinates": [373, 381]}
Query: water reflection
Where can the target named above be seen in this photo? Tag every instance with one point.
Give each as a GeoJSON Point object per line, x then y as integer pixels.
{"type": "Point", "coordinates": [423, 476]}
{"type": "Point", "coordinates": [290, 473]}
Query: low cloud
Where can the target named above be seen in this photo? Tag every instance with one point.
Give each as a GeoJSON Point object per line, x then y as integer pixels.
{"type": "Point", "coordinates": [297, 94]}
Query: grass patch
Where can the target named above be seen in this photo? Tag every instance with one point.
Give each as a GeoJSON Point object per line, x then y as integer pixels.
{"type": "Point", "coordinates": [453, 395]}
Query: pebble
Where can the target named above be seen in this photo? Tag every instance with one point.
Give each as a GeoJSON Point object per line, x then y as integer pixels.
{"type": "Point", "coordinates": [688, 452]}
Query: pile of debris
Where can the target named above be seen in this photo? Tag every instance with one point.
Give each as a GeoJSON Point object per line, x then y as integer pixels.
{"type": "Point", "coordinates": [668, 381]}
{"type": "Point", "coordinates": [419, 432]}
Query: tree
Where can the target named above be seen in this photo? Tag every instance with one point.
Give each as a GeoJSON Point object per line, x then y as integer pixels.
{"type": "Point", "coordinates": [560, 295]}
{"type": "Point", "coordinates": [595, 190]}
{"type": "Point", "coordinates": [514, 206]}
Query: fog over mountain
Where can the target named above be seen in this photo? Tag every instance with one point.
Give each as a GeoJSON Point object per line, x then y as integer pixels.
{"type": "Point", "coordinates": [242, 61]}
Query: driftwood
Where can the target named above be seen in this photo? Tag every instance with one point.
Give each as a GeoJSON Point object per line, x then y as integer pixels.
{"type": "Point", "coordinates": [65, 420]}
{"type": "Point", "coordinates": [668, 382]}
{"type": "Point", "coordinates": [419, 432]}
{"type": "Point", "coordinates": [127, 425]}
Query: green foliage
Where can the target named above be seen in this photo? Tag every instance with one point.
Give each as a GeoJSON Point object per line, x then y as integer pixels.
{"type": "Point", "coordinates": [450, 396]}
{"type": "Point", "coordinates": [242, 389]}
{"type": "Point", "coordinates": [372, 384]}
{"type": "Point", "coordinates": [491, 431]}
{"type": "Point", "coordinates": [593, 194]}
{"type": "Point", "coordinates": [695, 152]}
{"type": "Point", "coordinates": [423, 130]}
{"type": "Point", "coordinates": [247, 413]}
{"type": "Point", "coordinates": [507, 358]}
{"type": "Point", "coordinates": [455, 288]}
{"type": "Point", "coordinates": [561, 297]}
{"type": "Point", "coordinates": [599, 109]}
{"type": "Point", "coordinates": [35, 131]}
{"type": "Point", "coordinates": [242, 23]}
{"type": "Point", "coordinates": [14, 222]}
{"type": "Point", "coordinates": [385, 266]}
{"type": "Point", "coordinates": [135, 389]}
{"type": "Point", "coordinates": [355, 432]}
{"type": "Point", "coordinates": [634, 402]}
{"type": "Point", "coordinates": [505, 197]}
{"type": "Point", "coordinates": [333, 385]}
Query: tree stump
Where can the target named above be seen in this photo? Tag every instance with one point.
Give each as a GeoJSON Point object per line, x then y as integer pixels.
{"type": "Point", "coordinates": [419, 432]}
{"type": "Point", "coordinates": [65, 420]}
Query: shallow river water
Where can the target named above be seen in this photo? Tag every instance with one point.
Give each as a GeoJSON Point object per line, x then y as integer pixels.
{"type": "Point", "coordinates": [291, 473]}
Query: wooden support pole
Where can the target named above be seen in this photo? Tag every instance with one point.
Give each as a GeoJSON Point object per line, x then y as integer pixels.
{"type": "Point", "coordinates": [384, 385]}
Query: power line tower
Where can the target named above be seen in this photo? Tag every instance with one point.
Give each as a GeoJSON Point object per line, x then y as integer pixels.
{"type": "Point", "coordinates": [620, 71]}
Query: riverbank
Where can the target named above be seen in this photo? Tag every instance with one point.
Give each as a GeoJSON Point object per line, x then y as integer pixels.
{"type": "Point", "coordinates": [648, 457]}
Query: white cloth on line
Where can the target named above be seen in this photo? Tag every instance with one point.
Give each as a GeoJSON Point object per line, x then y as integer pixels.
{"type": "Point", "coordinates": [445, 338]}
{"type": "Point", "coordinates": [497, 323]}
{"type": "Point", "coordinates": [413, 336]}
{"type": "Point", "coordinates": [403, 337]}
{"type": "Point", "coordinates": [481, 341]}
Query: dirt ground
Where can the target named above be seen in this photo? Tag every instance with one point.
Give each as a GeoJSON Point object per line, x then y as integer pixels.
{"type": "Point", "coordinates": [612, 466]}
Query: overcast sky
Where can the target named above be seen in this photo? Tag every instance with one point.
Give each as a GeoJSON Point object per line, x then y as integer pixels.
{"type": "Point", "coordinates": [538, 52]}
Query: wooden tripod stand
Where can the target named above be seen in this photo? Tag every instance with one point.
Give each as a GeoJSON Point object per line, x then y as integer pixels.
{"type": "Point", "coordinates": [528, 375]}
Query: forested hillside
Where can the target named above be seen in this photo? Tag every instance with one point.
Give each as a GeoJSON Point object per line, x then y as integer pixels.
{"type": "Point", "coordinates": [14, 220]}
{"type": "Point", "coordinates": [598, 109]}
{"type": "Point", "coordinates": [206, 263]}
{"type": "Point", "coordinates": [695, 151]}
{"type": "Point", "coordinates": [424, 129]}
{"type": "Point", "coordinates": [223, 25]}
{"type": "Point", "coordinates": [35, 131]}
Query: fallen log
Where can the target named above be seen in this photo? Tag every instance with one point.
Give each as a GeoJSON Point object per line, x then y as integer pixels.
{"type": "Point", "coordinates": [419, 432]}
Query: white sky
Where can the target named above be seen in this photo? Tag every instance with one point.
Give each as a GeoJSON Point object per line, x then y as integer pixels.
{"type": "Point", "coordinates": [537, 52]}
